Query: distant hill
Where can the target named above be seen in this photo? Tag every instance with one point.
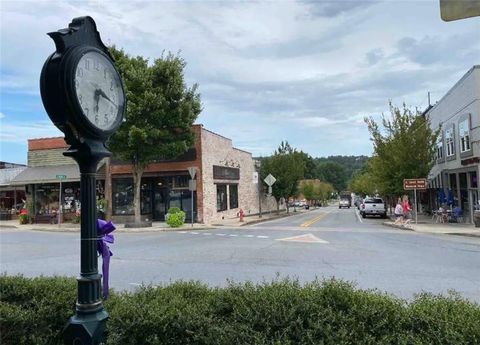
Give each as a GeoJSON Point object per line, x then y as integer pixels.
{"type": "Point", "coordinates": [351, 164]}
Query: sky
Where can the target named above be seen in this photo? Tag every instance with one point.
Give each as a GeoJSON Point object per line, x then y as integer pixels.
{"type": "Point", "coordinates": [308, 72]}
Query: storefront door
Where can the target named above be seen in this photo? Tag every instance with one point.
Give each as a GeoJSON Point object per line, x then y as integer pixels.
{"type": "Point", "coordinates": [160, 202]}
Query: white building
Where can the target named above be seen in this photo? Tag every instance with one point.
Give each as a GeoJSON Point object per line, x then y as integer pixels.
{"type": "Point", "coordinates": [457, 167]}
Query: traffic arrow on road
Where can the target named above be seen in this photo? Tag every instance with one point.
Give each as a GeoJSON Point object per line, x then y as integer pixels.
{"type": "Point", "coordinates": [308, 238]}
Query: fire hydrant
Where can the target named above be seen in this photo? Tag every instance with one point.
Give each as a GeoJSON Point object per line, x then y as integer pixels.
{"type": "Point", "coordinates": [241, 214]}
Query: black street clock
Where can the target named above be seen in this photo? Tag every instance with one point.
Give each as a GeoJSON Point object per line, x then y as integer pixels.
{"type": "Point", "coordinates": [81, 89]}
{"type": "Point", "coordinates": [83, 94]}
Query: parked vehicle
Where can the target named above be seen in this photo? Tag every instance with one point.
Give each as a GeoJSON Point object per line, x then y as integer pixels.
{"type": "Point", "coordinates": [346, 195]}
{"type": "Point", "coordinates": [373, 207]}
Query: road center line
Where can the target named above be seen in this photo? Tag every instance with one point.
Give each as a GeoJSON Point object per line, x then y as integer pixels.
{"type": "Point", "coordinates": [311, 221]}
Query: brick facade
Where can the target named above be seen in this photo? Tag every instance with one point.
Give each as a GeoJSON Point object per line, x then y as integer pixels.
{"type": "Point", "coordinates": [210, 149]}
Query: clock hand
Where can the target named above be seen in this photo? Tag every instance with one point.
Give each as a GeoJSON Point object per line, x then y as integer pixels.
{"type": "Point", "coordinates": [96, 98]}
{"type": "Point", "coordinates": [104, 95]}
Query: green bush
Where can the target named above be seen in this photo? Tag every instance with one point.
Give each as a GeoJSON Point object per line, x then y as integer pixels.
{"type": "Point", "coordinates": [34, 311]}
{"type": "Point", "coordinates": [176, 219]}
{"type": "Point", "coordinates": [173, 210]}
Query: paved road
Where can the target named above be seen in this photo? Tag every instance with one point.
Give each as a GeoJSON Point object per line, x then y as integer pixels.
{"type": "Point", "coordinates": [321, 243]}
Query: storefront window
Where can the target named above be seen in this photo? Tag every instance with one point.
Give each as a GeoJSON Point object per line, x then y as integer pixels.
{"type": "Point", "coordinates": [71, 197]}
{"type": "Point", "coordinates": [12, 201]}
{"type": "Point", "coordinates": [122, 196]}
{"type": "Point", "coordinates": [233, 193]}
{"type": "Point", "coordinates": [46, 198]}
{"type": "Point", "coordinates": [221, 197]}
{"type": "Point", "coordinates": [181, 181]}
{"type": "Point", "coordinates": [175, 199]}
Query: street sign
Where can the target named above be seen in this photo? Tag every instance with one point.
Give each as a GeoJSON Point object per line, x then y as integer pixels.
{"type": "Point", "coordinates": [270, 180]}
{"type": "Point", "coordinates": [192, 171]}
{"type": "Point", "coordinates": [192, 185]}
{"type": "Point", "coordinates": [61, 177]}
{"type": "Point", "coordinates": [457, 9]}
{"type": "Point", "coordinates": [414, 183]}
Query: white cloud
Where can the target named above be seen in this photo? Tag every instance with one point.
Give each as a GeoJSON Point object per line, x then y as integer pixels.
{"type": "Point", "coordinates": [21, 132]}
{"type": "Point", "coordinates": [267, 70]}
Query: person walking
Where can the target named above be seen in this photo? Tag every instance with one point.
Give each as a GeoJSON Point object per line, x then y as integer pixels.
{"type": "Point", "coordinates": [406, 210]}
{"type": "Point", "coordinates": [399, 212]}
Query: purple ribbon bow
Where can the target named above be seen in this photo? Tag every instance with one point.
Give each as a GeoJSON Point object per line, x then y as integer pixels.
{"type": "Point", "coordinates": [104, 229]}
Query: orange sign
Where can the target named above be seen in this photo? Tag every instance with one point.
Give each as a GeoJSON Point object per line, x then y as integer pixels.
{"type": "Point", "coordinates": [414, 183]}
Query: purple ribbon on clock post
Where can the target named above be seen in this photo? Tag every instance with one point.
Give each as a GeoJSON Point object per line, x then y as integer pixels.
{"type": "Point", "coordinates": [105, 237]}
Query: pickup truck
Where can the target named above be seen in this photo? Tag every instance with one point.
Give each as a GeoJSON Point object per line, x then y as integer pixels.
{"type": "Point", "coordinates": [372, 207]}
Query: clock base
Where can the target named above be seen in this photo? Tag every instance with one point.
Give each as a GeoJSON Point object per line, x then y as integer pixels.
{"type": "Point", "coordinates": [86, 328]}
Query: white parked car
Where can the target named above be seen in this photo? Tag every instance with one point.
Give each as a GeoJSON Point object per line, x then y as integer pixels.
{"type": "Point", "coordinates": [373, 207]}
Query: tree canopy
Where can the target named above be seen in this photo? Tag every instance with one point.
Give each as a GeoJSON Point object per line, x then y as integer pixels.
{"type": "Point", "coordinates": [160, 109]}
{"type": "Point", "coordinates": [404, 147]}
{"type": "Point", "coordinates": [288, 166]}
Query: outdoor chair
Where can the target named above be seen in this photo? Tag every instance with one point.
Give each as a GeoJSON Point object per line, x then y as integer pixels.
{"type": "Point", "coordinates": [457, 215]}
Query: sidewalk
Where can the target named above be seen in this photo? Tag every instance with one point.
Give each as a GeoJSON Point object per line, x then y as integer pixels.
{"type": "Point", "coordinates": [427, 225]}
{"type": "Point", "coordinates": [156, 226]}
{"type": "Point", "coordinates": [250, 220]}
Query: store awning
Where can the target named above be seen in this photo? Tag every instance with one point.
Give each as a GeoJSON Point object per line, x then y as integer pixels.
{"type": "Point", "coordinates": [47, 174]}
{"type": "Point", "coordinates": [8, 174]}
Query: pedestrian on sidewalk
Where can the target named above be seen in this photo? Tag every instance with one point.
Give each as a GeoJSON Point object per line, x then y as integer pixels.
{"type": "Point", "coordinates": [406, 210]}
{"type": "Point", "coordinates": [399, 212]}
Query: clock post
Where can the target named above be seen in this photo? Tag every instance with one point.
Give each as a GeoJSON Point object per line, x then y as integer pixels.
{"type": "Point", "coordinates": [83, 95]}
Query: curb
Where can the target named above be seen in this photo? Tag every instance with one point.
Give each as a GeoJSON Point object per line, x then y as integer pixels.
{"type": "Point", "coordinates": [397, 226]}
{"type": "Point", "coordinates": [465, 234]}
{"type": "Point", "coordinates": [403, 227]}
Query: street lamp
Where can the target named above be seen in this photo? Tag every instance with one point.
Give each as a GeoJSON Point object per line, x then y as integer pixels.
{"type": "Point", "coordinates": [83, 95]}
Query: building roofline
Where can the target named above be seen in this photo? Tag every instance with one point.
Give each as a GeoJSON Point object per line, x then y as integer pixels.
{"type": "Point", "coordinates": [218, 135]}
{"type": "Point", "coordinates": [470, 71]}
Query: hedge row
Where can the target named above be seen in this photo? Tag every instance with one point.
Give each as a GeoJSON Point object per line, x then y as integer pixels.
{"type": "Point", "coordinates": [34, 311]}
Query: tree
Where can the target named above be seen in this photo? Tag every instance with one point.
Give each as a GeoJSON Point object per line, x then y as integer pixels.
{"type": "Point", "coordinates": [403, 148]}
{"type": "Point", "coordinates": [310, 166]}
{"type": "Point", "coordinates": [323, 191]}
{"type": "Point", "coordinates": [287, 166]}
{"type": "Point", "coordinates": [160, 112]}
{"type": "Point", "coordinates": [307, 188]}
{"type": "Point", "coordinates": [363, 184]}
{"type": "Point", "coordinates": [332, 173]}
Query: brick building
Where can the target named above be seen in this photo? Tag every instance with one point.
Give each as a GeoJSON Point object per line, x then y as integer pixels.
{"type": "Point", "coordinates": [225, 181]}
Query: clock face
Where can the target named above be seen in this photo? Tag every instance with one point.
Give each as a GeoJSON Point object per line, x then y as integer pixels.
{"type": "Point", "coordinates": [99, 90]}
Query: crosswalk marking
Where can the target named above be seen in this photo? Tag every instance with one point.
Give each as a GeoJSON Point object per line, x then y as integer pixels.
{"type": "Point", "coordinates": [223, 235]}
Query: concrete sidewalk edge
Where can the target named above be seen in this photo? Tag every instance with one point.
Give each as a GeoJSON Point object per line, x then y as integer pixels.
{"type": "Point", "coordinates": [411, 227]}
